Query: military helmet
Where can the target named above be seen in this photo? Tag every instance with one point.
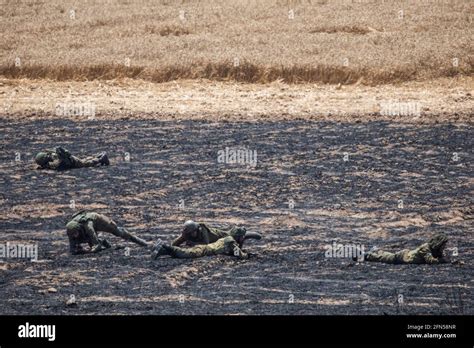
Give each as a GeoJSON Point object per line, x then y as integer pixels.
{"type": "Point", "coordinates": [438, 241]}
{"type": "Point", "coordinates": [42, 158]}
{"type": "Point", "coordinates": [77, 214]}
{"type": "Point", "coordinates": [190, 225]}
{"type": "Point", "coordinates": [238, 232]}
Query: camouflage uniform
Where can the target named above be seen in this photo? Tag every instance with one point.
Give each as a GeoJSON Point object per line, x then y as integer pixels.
{"type": "Point", "coordinates": [205, 235]}
{"type": "Point", "coordinates": [223, 246]}
{"type": "Point", "coordinates": [61, 159]}
{"type": "Point", "coordinates": [420, 255]}
{"type": "Point", "coordinates": [82, 229]}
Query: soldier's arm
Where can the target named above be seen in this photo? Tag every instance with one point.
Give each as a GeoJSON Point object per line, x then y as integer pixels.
{"type": "Point", "coordinates": [54, 164]}
{"type": "Point", "coordinates": [62, 152]}
{"type": "Point", "coordinates": [180, 240]}
{"type": "Point", "coordinates": [64, 155]}
{"type": "Point", "coordinates": [239, 253]}
{"type": "Point", "coordinates": [430, 259]}
{"type": "Point", "coordinates": [91, 236]}
{"type": "Point", "coordinates": [205, 237]}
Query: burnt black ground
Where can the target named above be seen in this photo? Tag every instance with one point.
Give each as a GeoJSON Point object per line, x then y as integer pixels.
{"type": "Point", "coordinates": [354, 201]}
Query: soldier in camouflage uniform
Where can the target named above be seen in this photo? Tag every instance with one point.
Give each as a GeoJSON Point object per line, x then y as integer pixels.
{"type": "Point", "coordinates": [61, 159]}
{"type": "Point", "coordinates": [199, 233]}
{"type": "Point", "coordinates": [84, 226]}
{"type": "Point", "coordinates": [430, 253]}
{"type": "Point", "coordinates": [229, 245]}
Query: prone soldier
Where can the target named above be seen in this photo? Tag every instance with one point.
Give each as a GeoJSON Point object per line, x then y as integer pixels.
{"type": "Point", "coordinates": [199, 233]}
{"type": "Point", "coordinates": [429, 253]}
{"type": "Point", "coordinates": [62, 159]}
{"type": "Point", "coordinates": [229, 245]}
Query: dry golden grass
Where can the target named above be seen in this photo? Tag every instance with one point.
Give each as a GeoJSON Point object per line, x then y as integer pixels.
{"type": "Point", "coordinates": [339, 41]}
{"type": "Point", "coordinates": [440, 100]}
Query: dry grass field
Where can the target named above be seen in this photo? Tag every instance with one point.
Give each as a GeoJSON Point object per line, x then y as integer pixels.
{"type": "Point", "coordinates": [339, 41]}
{"type": "Point", "coordinates": [440, 100]}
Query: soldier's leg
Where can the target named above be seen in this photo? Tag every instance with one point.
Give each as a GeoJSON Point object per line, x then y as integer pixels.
{"type": "Point", "coordinates": [105, 224]}
{"type": "Point", "coordinates": [77, 162]}
{"type": "Point", "coordinates": [381, 256]}
{"type": "Point", "coordinates": [401, 256]}
{"type": "Point", "coordinates": [187, 253]}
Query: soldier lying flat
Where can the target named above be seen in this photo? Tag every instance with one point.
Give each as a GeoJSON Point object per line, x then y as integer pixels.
{"type": "Point", "coordinates": [430, 253]}
{"type": "Point", "coordinates": [229, 245]}
{"type": "Point", "coordinates": [61, 159]}
{"type": "Point", "coordinates": [84, 226]}
{"type": "Point", "coordinates": [198, 233]}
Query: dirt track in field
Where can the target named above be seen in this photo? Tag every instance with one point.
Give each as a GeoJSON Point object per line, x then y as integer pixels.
{"type": "Point", "coordinates": [428, 167]}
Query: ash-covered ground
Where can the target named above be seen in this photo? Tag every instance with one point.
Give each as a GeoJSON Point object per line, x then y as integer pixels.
{"type": "Point", "coordinates": [391, 185]}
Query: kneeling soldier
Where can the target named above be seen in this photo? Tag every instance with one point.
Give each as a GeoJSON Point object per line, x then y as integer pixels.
{"type": "Point", "coordinates": [61, 159]}
{"type": "Point", "coordinates": [84, 226]}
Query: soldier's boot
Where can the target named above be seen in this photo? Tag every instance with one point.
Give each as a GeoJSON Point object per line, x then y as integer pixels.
{"type": "Point", "coordinates": [253, 235]}
{"type": "Point", "coordinates": [159, 249]}
{"type": "Point", "coordinates": [128, 236]}
{"type": "Point", "coordinates": [105, 243]}
{"type": "Point", "coordinates": [372, 256]}
{"type": "Point", "coordinates": [104, 159]}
